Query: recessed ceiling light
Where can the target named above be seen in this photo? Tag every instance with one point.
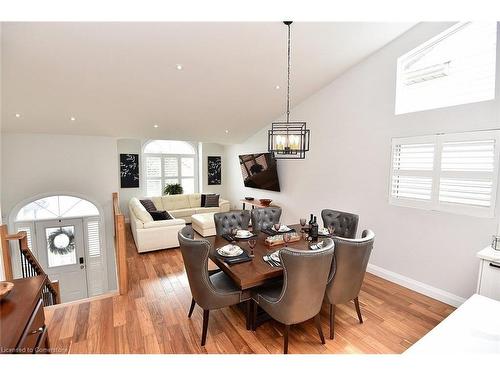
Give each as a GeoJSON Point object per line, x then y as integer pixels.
{"type": "Point", "coordinates": [72, 118]}
{"type": "Point", "coordinates": [155, 125]}
{"type": "Point", "coordinates": [18, 115]}
{"type": "Point", "coordinates": [277, 87]}
{"type": "Point", "coordinates": [227, 131]}
{"type": "Point", "coordinates": [179, 67]}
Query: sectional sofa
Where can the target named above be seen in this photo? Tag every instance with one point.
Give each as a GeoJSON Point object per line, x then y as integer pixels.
{"type": "Point", "coordinates": [152, 235]}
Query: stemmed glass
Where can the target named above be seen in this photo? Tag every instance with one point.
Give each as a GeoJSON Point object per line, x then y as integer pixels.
{"type": "Point", "coordinates": [286, 238]}
{"type": "Point", "coordinates": [302, 224]}
{"type": "Point", "coordinates": [331, 229]}
{"type": "Point", "coordinates": [252, 243]}
{"type": "Point", "coordinates": [234, 232]}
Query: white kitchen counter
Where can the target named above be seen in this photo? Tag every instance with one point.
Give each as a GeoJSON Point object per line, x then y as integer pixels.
{"type": "Point", "coordinates": [474, 328]}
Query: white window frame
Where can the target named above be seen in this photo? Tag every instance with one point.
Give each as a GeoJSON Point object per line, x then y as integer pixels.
{"type": "Point", "coordinates": [436, 174]}
{"type": "Point", "coordinates": [179, 176]}
{"type": "Point", "coordinates": [438, 71]}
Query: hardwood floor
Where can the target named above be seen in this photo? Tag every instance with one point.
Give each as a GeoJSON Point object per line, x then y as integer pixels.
{"type": "Point", "coordinates": [152, 318]}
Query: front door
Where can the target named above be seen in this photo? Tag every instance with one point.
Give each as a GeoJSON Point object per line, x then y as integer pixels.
{"type": "Point", "coordinates": [61, 252]}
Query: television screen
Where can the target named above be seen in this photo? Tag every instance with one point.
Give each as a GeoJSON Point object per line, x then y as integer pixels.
{"type": "Point", "coordinates": [259, 171]}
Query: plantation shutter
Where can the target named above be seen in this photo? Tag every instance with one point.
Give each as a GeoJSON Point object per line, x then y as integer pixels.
{"type": "Point", "coordinates": [412, 169]}
{"type": "Point", "coordinates": [469, 170]}
{"type": "Point", "coordinates": [153, 176]}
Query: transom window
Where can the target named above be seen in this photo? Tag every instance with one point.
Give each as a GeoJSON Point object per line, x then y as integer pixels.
{"type": "Point", "coordinates": [446, 172]}
{"type": "Point", "coordinates": [56, 207]}
{"type": "Point", "coordinates": [168, 162]}
{"type": "Point", "coordinates": [457, 66]}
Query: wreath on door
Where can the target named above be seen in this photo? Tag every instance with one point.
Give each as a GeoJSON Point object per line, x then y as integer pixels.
{"type": "Point", "coordinates": [61, 242]}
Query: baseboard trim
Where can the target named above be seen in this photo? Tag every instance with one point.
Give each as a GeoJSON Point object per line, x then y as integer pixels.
{"type": "Point", "coordinates": [417, 286]}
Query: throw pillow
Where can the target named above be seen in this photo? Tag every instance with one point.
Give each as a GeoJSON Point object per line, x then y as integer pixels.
{"type": "Point", "coordinates": [148, 205]}
{"type": "Point", "coordinates": [160, 215]}
{"type": "Point", "coordinates": [203, 199]}
{"type": "Point", "coordinates": [212, 200]}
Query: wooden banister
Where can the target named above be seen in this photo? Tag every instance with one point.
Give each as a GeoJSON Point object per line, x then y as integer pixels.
{"type": "Point", "coordinates": [120, 245]}
{"type": "Point", "coordinates": [29, 264]}
{"type": "Point", "coordinates": [6, 259]}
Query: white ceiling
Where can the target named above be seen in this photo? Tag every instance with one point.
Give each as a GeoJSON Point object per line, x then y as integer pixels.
{"type": "Point", "coordinates": [118, 79]}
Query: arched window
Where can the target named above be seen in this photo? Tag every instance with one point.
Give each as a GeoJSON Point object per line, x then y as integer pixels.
{"type": "Point", "coordinates": [56, 207]}
{"type": "Point", "coordinates": [168, 162]}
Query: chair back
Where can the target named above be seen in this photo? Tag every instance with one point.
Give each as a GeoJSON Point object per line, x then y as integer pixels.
{"type": "Point", "coordinates": [349, 266]}
{"type": "Point", "coordinates": [264, 218]}
{"type": "Point", "coordinates": [304, 282]}
{"type": "Point", "coordinates": [345, 223]}
{"type": "Point", "coordinates": [226, 221]}
{"type": "Point", "coordinates": [195, 256]}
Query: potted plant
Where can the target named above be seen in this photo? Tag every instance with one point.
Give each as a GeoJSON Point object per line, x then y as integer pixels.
{"type": "Point", "coordinates": [173, 189]}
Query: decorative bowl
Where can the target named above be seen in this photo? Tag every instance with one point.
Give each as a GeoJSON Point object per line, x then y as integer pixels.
{"type": "Point", "coordinates": [5, 288]}
{"type": "Point", "coordinates": [265, 202]}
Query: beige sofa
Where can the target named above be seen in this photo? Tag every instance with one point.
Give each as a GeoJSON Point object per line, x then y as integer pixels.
{"type": "Point", "coordinates": [152, 235]}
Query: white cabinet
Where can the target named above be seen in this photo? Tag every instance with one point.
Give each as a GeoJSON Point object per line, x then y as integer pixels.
{"type": "Point", "coordinates": [489, 273]}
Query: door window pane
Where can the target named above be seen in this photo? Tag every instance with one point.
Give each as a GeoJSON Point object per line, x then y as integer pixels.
{"type": "Point", "coordinates": [187, 167]}
{"type": "Point", "coordinates": [60, 246]}
{"type": "Point", "coordinates": [188, 185]}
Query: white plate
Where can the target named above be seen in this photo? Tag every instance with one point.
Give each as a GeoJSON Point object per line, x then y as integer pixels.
{"type": "Point", "coordinates": [230, 251]}
{"type": "Point", "coordinates": [282, 229]}
{"type": "Point", "coordinates": [243, 234]}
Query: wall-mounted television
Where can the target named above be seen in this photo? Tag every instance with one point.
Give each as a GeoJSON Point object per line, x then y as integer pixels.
{"type": "Point", "coordinates": [260, 171]}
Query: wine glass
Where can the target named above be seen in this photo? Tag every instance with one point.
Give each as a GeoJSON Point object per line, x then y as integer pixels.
{"type": "Point", "coordinates": [286, 238]}
{"type": "Point", "coordinates": [277, 226]}
{"type": "Point", "coordinates": [234, 232]}
{"type": "Point", "coordinates": [302, 224]}
{"type": "Point", "coordinates": [252, 243]}
{"type": "Point", "coordinates": [331, 229]}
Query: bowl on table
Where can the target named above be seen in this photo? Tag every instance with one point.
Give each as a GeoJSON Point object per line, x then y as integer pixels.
{"type": "Point", "coordinates": [5, 288]}
{"type": "Point", "coordinates": [265, 202]}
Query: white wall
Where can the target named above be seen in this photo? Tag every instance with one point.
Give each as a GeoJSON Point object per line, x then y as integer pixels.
{"type": "Point", "coordinates": [34, 164]}
{"type": "Point", "coordinates": [213, 149]}
{"type": "Point", "coordinates": [352, 122]}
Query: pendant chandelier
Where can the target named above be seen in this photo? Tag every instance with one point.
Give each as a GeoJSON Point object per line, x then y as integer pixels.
{"type": "Point", "coordinates": [290, 139]}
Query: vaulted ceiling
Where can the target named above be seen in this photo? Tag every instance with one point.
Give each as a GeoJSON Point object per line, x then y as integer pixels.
{"type": "Point", "coordinates": [121, 79]}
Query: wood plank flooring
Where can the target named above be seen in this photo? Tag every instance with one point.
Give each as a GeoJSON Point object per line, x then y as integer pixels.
{"type": "Point", "coordinates": [152, 318]}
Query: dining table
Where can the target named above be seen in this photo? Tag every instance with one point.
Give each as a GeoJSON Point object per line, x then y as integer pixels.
{"type": "Point", "coordinates": [255, 272]}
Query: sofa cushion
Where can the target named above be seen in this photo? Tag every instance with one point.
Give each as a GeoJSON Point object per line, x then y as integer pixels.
{"type": "Point", "coordinates": [204, 221]}
{"type": "Point", "coordinates": [148, 205]}
{"type": "Point", "coordinates": [175, 202]}
{"type": "Point", "coordinates": [160, 215]}
{"type": "Point", "coordinates": [194, 200]}
{"type": "Point", "coordinates": [139, 211]}
{"type": "Point", "coordinates": [212, 200]}
{"type": "Point", "coordinates": [158, 203]}
{"type": "Point", "coordinates": [183, 212]}
{"type": "Point", "coordinates": [204, 210]}
{"type": "Point", "coordinates": [164, 223]}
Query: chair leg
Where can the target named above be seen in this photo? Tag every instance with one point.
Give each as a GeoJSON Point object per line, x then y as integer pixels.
{"type": "Point", "coordinates": [285, 339]}
{"type": "Point", "coordinates": [254, 315]}
{"type": "Point", "coordinates": [205, 327]}
{"type": "Point", "coordinates": [317, 321]}
{"type": "Point", "coordinates": [358, 310]}
{"type": "Point", "coordinates": [332, 321]}
{"type": "Point", "coordinates": [249, 314]}
{"type": "Point", "coordinates": [191, 308]}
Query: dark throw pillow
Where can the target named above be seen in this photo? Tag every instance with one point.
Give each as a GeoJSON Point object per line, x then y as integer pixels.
{"type": "Point", "coordinates": [148, 205]}
{"type": "Point", "coordinates": [203, 199]}
{"type": "Point", "coordinates": [160, 215]}
{"type": "Point", "coordinates": [212, 200]}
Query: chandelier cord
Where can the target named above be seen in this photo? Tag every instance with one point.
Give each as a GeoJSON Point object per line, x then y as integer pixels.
{"type": "Point", "coordinates": [288, 81]}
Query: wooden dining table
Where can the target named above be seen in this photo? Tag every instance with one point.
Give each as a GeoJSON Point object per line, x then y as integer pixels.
{"type": "Point", "coordinates": [256, 272]}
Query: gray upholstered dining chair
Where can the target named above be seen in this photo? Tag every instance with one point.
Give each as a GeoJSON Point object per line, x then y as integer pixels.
{"type": "Point", "coordinates": [226, 221]}
{"type": "Point", "coordinates": [345, 223]}
{"type": "Point", "coordinates": [299, 297]}
{"type": "Point", "coordinates": [348, 270]}
{"type": "Point", "coordinates": [208, 291]}
{"type": "Point", "coordinates": [264, 218]}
